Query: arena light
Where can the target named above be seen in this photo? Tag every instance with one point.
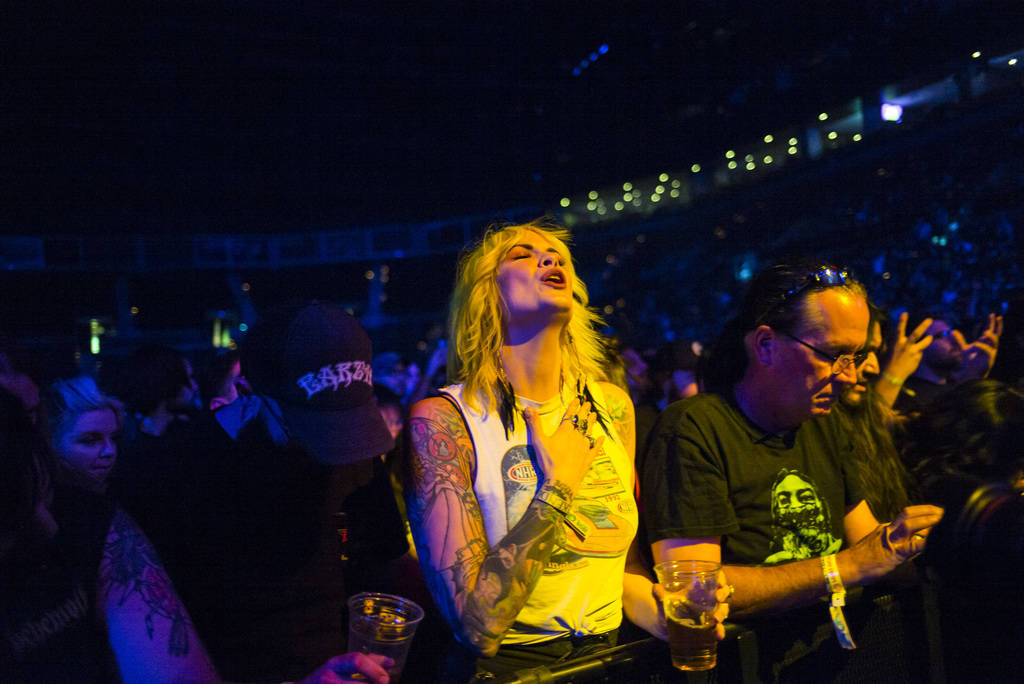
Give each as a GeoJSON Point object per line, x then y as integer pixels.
{"type": "Point", "coordinates": [892, 112]}
{"type": "Point", "coordinates": [95, 331]}
{"type": "Point", "coordinates": [564, 202]}
{"type": "Point", "coordinates": [695, 168]}
{"type": "Point", "coordinates": [975, 54]}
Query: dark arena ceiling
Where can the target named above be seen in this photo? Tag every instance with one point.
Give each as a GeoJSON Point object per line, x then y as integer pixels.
{"type": "Point", "coordinates": [253, 116]}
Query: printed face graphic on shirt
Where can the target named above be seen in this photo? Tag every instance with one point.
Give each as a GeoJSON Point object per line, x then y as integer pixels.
{"type": "Point", "coordinates": [800, 520]}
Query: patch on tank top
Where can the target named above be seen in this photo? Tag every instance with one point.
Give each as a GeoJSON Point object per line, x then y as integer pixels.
{"type": "Point", "coordinates": [520, 481]}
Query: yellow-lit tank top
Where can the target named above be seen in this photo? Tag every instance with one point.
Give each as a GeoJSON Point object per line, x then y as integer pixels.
{"type": "Point", "coordinates": [580, 592]}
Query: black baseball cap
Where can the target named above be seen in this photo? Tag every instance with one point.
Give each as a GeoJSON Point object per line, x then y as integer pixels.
{"type": "Point", "coordinates": [315, 361]}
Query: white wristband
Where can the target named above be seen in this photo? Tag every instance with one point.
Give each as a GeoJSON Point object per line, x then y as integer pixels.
{"type": "Point", "coordinates": [837, 599]}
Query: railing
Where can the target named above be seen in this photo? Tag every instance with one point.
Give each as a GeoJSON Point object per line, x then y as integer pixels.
{"type": "Point", "coordinates": [896, 643]}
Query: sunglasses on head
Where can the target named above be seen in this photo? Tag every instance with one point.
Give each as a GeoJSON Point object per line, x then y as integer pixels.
{"type": "Point", "coordinates": [823, 277]}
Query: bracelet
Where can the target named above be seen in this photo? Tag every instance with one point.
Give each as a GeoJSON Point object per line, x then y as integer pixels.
{"type": "Point", "coordinates": [830, 567]}
{"type": "Point", "coordinates": [550, 495]}
{"type": "Point", "coordinates": [554, 498]}
{"type": "Point", "coordinates": [893, 379]}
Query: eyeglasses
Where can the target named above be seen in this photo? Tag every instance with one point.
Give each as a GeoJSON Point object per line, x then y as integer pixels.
{"type": "Point", "coordinates": [823, 277]}
{"type": "Point", "coordinates": [840, 362]}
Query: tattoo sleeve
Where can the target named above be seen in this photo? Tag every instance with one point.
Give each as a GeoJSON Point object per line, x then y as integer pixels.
{"type": "Point", "coordinates": [479, 589]}
{"type": "Point", "coordinates": [131, 572]}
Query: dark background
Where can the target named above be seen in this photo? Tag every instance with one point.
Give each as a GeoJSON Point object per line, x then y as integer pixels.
{"type": "Point", "coordinates": [231, 116]}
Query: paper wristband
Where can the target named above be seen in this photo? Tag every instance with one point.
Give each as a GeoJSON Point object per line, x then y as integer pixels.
{"type": "Point", "coordinates": [830, 568]}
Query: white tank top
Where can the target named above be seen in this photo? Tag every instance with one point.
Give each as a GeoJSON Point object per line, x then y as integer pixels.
{"type": "Point", "coordinates": [580, 592]}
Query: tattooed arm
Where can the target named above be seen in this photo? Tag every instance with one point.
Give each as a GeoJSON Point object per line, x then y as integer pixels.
{"type": "Point", "coordinates": [480, 590]}
{"type": "Point", "coordinates": [150, 632]}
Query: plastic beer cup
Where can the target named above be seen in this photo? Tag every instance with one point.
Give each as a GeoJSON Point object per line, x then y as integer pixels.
{"type": "Point", "coordinates": [689, 604]}
{"type": "Point", "coordinates": [383, 624]}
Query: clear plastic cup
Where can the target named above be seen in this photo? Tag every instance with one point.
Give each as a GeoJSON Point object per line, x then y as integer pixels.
{"type": "Point", "coordinates": [690, 602]}
{"type": "Point", "coordinates": [383, 624]}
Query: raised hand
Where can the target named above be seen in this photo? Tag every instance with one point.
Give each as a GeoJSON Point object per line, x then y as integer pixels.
{"type": "Point", "coordinates": [978, 356]}
{"type": "Point", "coordinates": [906, 350]}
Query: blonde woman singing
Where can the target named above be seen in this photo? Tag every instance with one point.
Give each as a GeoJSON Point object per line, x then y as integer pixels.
{"type": "Point", "coordinates": [520, 480]}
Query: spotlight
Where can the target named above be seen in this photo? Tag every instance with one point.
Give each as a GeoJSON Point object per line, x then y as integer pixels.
{"type": "Point", "coordinates": [892, 112]}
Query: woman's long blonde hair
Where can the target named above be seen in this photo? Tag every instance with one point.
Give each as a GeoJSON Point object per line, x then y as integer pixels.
{"type": "Point", "coordinates": [475, 319]}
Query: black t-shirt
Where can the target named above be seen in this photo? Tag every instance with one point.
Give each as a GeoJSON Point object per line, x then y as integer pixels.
{"type": "Point", "coordinates": [708, 471]}
{"type": "Point", "coordinates": [49, 628]}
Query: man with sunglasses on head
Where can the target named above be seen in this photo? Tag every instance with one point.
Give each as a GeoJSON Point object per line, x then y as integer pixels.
{"type": "Point", "coordinates": [756, 473]}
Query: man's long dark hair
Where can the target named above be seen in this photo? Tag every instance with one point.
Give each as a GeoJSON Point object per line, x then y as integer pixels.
{"type": "Point", "coordinates": [883, 478]}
